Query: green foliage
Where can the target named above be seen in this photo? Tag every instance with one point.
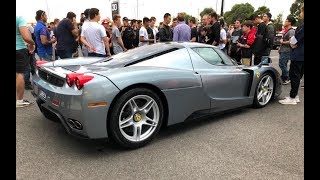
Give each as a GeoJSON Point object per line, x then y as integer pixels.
{"type": "Point", "coordinates": [295, 10]}
{"type": "Point", "coordinates": [278, 23]}
{"type": "Point", "coordinates": [239, 11]}
{"type": "Point", "coordinates": [262, 10]}
{"type": "Point", "coordinates": [206, 11]}
{"type": "Point", "coordinates": [187, 17]}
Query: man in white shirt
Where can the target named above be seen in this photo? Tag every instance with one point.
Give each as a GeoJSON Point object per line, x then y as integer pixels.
{"type": "Point", "coordinates": [153, 27]}
{"type": "Point", "coordinates": [94, 36]}
{"type": "Point", "coordinates": [143, 34]}
{"type": "Point", "coordinates": [223, 37]}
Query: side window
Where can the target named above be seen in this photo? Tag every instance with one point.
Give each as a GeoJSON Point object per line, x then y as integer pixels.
{"type": "Point", "coordinates": [209, 55]}
{"type": "Point", "coordinates": [226, 59]}
{"type": "Point", "coordinates": [178, 59]}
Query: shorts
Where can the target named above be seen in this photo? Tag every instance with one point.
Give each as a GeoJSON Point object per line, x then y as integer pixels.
{"type": "Point", "coordinates": [117, 49]}
{"type": "Point", "coordinates": [22, 60]}
{"type": "Point", "coordinates": [246, 61]}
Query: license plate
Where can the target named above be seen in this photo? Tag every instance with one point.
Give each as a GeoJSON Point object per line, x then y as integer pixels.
{"type": "Point", "coordinates": [42, 95]}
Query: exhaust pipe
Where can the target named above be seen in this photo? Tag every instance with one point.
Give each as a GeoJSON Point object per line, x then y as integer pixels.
{"type": "Point", "coordinates": [78, 125]}
{"type": "Point", "coordinates": [71, 123]}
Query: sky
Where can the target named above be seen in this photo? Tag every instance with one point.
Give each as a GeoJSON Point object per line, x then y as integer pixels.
{"type": "Point", "coordinates": [148, 8]}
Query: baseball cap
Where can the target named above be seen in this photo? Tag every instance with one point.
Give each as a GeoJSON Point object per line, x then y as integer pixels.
{"type": "Point", "coordinates": [125, 19]}
{"type": "Point", "coordinates": [105, 21]}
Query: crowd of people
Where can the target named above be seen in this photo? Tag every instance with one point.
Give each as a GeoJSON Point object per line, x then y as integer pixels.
{"type": "Point", "coordinates": [245, 41]}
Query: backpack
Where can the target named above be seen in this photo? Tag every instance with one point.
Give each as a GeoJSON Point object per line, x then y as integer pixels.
{"type": "Point", "coordinates": [269, 38]}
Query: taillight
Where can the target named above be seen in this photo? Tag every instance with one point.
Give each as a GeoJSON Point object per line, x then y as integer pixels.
{"type": "Point", "coordinates": [38, 63]}
{"type": "Point", "coordinates": [81, 80]}
{"type": "Point", "coordinates": [71, 77]}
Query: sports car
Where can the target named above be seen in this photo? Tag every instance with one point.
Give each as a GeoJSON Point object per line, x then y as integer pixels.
{"type": "Point", "coordinates": [128, 97]}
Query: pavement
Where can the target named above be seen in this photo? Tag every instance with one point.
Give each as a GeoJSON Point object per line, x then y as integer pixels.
{"type": "Point", "coordinates": [266, 143]}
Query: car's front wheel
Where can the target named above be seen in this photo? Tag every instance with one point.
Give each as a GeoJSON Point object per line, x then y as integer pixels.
{"type": "Point", "coordinates": [264, 91]}
{"type": "Point", "coordinates": [136, 118]}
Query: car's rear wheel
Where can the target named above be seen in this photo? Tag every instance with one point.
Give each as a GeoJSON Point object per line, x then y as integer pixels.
{"type": "Point", "coordinates": [264, 91]}
{"type": "Point", "coordinates": [136, 118]}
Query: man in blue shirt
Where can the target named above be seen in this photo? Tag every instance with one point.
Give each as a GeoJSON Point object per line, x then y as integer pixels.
{"type": "Point", "coordinates": [22, 60]}
{"type": "Point", "coordinates": [43, 40]}
{"type": "Point", "coordinates": [181, 32]}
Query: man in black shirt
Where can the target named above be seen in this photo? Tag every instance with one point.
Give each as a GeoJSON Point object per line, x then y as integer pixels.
{"type": "Point", "coordinates": [259, 45]}
{"type": "Point", "coordinates": [214, 35]}
{"type": "Point", "coordinates": [136, 40]}
{"type": "Point", "coordinates": [128, 34]}
{"type": "Point", "coordinates": [194, 31]}
{"type": "Point", "coordinates": [236, 34]}
{"type": "Point", "coordinates": [165, 33]}
{"type": "Point", "coordinates": [66, 34]}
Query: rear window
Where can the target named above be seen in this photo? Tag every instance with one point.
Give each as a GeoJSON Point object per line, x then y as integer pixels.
{"type": "Point", "coordinates": [135, 55]}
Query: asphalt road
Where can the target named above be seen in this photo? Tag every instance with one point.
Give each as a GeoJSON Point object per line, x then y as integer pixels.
{"type": "Point", "coordinates": [265, 143]}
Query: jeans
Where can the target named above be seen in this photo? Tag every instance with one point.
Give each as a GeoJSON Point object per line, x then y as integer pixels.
{"type": "Point", "coordinates": [295, 73]}
{"type": "Point", "coordinates": [46, 57]}
{"type": "Point", "coordinates": [65, 53]}
{"type": "Point", "coordinates": [283, 64]}
{"type": "Point", "coordinates": [117, 49]}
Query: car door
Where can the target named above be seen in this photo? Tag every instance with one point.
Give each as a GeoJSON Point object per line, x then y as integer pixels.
{"type": "Point", "coordinates": [224, 82]}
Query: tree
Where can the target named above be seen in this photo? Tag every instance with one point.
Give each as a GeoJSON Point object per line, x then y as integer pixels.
{"type": "Point", "coordinates": [278, 23]}
{"type": "Point", "coordinates": [295, 10]}
{"type": "Point", "coordinates": [239, 11]}
{"type": "Point", "coordinates": [262, 10]}
{"type": "Point", "coordinates": [206, 11]}
{"type": "Point", "coordinates": [187, 17]}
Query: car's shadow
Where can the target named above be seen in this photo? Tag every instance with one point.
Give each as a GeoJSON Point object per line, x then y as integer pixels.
{"type": "Point", "coordinates": [107, 146]}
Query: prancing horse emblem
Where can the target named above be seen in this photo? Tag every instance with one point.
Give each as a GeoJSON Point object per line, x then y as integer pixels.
{"type": "Point", "coordinates": [137, 117]}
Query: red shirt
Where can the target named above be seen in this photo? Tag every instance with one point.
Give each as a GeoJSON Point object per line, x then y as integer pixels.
{"type": "Point", "coordinates": [250, 35]}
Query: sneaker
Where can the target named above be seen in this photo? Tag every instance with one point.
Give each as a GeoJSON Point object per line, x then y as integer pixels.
{"type": "Point", "coordinates": [288, 100]}
{"type": "Point", "coordinates": [297, 99]}
{"type": "Point", "coordinates": [24, 103]}
{"type": "Point", "coordinates": [286, 82]}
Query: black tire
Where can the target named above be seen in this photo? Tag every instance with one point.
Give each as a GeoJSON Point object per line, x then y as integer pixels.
{"type": "Point", "coordinates": [121, 104]}
{"type": "Point", "coordinates": [256, 102]}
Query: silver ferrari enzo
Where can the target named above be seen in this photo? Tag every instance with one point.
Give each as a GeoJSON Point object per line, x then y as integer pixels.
{"type": "Point", "coordinates": [129, 96]}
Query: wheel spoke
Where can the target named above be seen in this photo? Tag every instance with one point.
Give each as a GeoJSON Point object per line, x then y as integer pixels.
{"type": "Point", "coordinates": [267, 81]}
{"type": "Point", "coordinates": [137, 132]}
{"type": "Point", "coordinates": [134, 107]}
{"type": "Point", "coordinates": [264, 98]}
{"type": "Point", "coordinates": [260, 95]}
{"type": "Point", "coordinates": [126, 123]}
{"type": "Point", "coordinates": [153, 123]}
{"type": "Point", "coordinates": [146, 108]}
